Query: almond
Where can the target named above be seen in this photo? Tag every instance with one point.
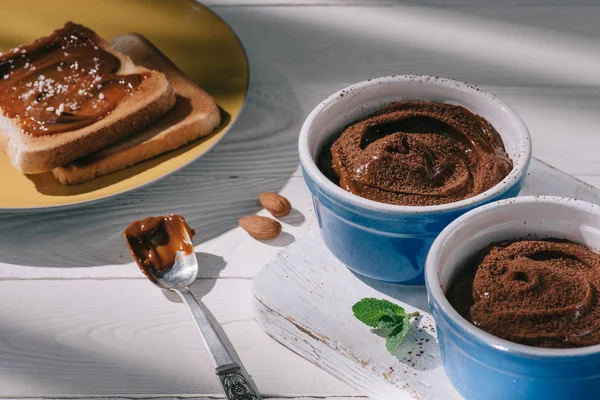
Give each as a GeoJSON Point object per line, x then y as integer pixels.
{"type": "Point", "coordinates": [260, 227]}
{"type": "Point", "coordinates": [275, 203]}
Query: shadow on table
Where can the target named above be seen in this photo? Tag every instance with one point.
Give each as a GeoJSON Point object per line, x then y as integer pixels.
{"type": "Point", "coordinates": [485, 43]}
{"type": "Point", "coordinates": [50, 360]}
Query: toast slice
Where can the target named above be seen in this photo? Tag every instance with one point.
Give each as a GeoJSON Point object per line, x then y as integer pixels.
{"type": "Point", "coordinates": [194, 115]}
{"type": "Point", "coordinates": [151, 99]}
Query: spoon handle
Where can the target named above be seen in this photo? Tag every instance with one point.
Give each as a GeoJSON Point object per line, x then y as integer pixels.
{"type": "Point", "coordinates": [236, 383]}
{"type": "Point", "coordinates": [217, 349]}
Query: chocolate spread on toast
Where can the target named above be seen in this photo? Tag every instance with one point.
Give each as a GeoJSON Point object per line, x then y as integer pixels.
{"type": "Point", "coordinates": [62, 82]}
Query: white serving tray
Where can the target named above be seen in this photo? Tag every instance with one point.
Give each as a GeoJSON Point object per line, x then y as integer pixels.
{"type": "Point", "coordinates": [304, 299]}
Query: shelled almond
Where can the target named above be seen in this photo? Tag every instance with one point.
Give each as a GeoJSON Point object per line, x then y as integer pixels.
{"type": "Point", "coordinates": [275, 203]}
{"type": "Point", "coordinates": [260, 227]}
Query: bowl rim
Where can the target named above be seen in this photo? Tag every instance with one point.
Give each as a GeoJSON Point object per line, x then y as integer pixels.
{"type": "Point", "coordinates": [310, 167]}
{"type": "Point", "coordinates": [437, 296]}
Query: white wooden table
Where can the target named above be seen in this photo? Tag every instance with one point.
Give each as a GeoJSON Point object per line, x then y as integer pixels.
{"type": "Point", "coordinates": [77, 319]}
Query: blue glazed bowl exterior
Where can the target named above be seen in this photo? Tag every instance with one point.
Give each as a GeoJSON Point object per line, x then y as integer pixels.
{"type": "Point", "coordinates": [480, 371]}
{"type": "Point", "coordinates": [484, 366]}
{"type": "Point", "coordinates": [389, 242]}
{"type": "Point", "coordinates": [384, 246]}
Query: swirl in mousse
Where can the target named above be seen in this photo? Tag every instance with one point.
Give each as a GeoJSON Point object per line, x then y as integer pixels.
{"type": "Point", "coordinates": [540, 293]}
{"type": "Point", "coordinates": [417, 153]}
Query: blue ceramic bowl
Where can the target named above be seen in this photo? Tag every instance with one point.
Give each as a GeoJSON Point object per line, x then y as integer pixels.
{"type": "Point", "coordinates": [483, 366]}
{"type": "Point", "coordinates": [389, 242]}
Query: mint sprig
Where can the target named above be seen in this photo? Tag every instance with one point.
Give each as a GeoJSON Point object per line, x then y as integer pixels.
{"type": "Point", "coordinates": [386, 316]}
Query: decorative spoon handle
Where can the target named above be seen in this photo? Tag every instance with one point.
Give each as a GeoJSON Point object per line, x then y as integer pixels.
{"type": "Point", "coordinates": [237, 385]}
{"type": "Point", "coordinates": [218, 351]}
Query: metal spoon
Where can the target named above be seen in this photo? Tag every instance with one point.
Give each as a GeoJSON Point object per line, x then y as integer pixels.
{"type": "Point", "coordinates": [236, 383]}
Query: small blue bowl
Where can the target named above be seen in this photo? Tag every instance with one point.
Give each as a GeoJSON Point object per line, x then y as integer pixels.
{"type": "Point", "coordinates": [483, 366]}
{"type": "Point", "coordinates": [383, 241]}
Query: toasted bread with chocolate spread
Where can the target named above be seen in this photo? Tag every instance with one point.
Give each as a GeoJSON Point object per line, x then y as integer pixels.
{"type": "Point", "coordinates": [72, 95]}
{"type": "Point", "coordinates": [194, 115]}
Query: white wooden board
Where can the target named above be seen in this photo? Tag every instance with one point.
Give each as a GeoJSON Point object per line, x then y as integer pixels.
{"type": "Point", "coordinates": [304, 300]}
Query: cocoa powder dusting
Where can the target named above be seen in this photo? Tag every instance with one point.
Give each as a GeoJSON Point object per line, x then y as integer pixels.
{"type": "Point", "coordinates": [541, 293]}
{"type": "Point", "coordinates": [417, 153]}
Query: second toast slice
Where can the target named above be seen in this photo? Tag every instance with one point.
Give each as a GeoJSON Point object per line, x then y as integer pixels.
{"type": "Point", "coordinates": [194, 115]}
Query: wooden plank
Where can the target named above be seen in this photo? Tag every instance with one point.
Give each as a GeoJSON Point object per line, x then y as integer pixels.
{"type": "Point", "coordinates": [508, 46]}
{"type": "Point", "coordinates": [124, 338]}
{"type": "Point", "coordinates": [305, 298]}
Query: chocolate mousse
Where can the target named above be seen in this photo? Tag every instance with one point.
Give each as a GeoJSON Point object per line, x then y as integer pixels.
{"type": "Point", "coordinates": [540, 293]}
{"type": "Point", "coordinates": [417, 153]}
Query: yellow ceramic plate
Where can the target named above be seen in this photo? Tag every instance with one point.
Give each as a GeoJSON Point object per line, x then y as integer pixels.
{"type": "Point", "coordinates": [196, 39]}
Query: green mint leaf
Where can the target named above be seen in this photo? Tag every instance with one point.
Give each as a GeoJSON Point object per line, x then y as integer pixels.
{"type": "Point", "coordinates": [395, 339]}
{"type": "Point", "coordinates": [398, 318]}
{"type": "Point", "coordinates": [388, 318]}
{"type": "Point", "coordinates": [386, 323]}
{"type": "Point", "coordinates": [370, 310]}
